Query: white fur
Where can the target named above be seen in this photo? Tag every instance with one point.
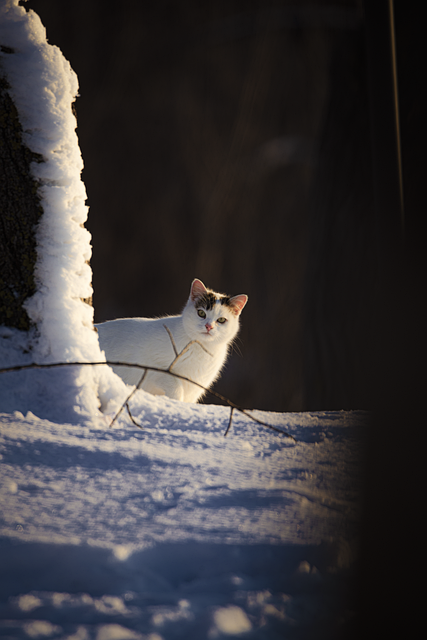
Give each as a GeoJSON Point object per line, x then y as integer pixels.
{"type": "Point", "coordinates": [146, 341]}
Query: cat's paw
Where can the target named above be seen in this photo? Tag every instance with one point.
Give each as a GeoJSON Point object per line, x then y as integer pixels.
{"type": "Point", "coordinates": [157, 391]}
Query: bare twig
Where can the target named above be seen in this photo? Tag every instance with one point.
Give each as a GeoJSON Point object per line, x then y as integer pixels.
{"type": "Point", "coordinates": [172, 340]}
{"type": "Point", "coordinates": [132, 418]}
{"type": "Point", "coordinates": [229, 422]}
{"type": "Point", "coordinates": [172, 364]}
{"type": "Point", "coordinates": [128, 398]}
{"type": "Point", "coordinates": [185, 349]}
{"type": "Point", "coordinates": [23, 367]}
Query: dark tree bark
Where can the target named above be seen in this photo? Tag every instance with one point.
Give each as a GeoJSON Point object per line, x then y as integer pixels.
{"type": "Point", "coordinates": [20, 211]}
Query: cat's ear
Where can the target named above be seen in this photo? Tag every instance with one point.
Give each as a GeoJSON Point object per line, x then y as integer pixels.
{"type": "Point", "coordinates": [197, 290]}
{"type": "Point", "coordinates": [237, 303]}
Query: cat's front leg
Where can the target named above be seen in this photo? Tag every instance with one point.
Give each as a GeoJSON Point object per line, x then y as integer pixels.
{"type": "Point", "coordinates": [166, 385]}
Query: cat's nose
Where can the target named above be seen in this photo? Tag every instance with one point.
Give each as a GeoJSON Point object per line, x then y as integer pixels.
{"type": "Point", "coordinates": [208, 327]}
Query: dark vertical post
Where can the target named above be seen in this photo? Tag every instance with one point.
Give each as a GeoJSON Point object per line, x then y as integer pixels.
{"type": "Point", "coordinates": [384, 113]}
{"type": "Point", "coordinates": [393, 532]}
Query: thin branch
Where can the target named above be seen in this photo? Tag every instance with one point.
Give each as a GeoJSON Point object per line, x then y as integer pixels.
{"type": "Point", "coordinates": [128, 398]}
{"type": "Point", "coordinates": [185, 349]}
{"type": "Point", "coordinates": [172, 340]}
{"type": "Point", "coordinates": [23, 367]}
{"type": "Point", "coordinates": [132, 418]}
{"type": "Point", "coordinates": [229, 422]}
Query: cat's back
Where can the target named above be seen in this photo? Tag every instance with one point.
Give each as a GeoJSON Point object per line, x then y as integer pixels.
{"type": "Point", "coordinates": [132, 337]}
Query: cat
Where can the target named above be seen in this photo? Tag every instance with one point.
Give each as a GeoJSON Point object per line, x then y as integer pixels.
{"type": "Point", "coordinates": [202, 334]}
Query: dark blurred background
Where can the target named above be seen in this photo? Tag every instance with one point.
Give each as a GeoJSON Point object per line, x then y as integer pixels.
{"type": "Point", "coordinates": [200, 125]}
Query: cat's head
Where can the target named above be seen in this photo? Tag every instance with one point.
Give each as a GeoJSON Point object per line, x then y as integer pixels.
{"type": "Point", "coordinates": [212, 318]}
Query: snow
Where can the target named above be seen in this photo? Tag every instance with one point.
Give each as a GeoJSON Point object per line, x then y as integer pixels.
{"type": "Point", "coordinates": [166, 530]}
{"type": "Point", "coordinates": [174, 529]}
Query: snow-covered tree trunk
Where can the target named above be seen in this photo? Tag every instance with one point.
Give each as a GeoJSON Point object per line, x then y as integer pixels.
{"type": "Point", "coordinates": [45, 272]}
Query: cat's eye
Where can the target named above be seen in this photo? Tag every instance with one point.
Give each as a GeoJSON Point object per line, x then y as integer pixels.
{"type": "Point", "coordinates": [222, 320]}
{"type": "Point", "coordinates": [201, 313]}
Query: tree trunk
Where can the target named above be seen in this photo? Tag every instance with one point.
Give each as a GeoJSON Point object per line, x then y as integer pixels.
{"type": "Point", "coordinates": [20, 211]}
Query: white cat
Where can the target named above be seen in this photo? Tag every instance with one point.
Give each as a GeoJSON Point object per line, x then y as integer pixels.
{"type": "Point", "coordinates": [196, 343]}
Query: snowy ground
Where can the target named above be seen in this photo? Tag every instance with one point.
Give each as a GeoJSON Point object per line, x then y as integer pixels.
{"type": "Point", "coordinates": [174, 531]}
{"type": "Point", "coordinates": [167, 532]}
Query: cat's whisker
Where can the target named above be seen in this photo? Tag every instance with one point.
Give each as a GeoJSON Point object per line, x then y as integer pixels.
{"type": "Point", "coordinates": [236, 348]}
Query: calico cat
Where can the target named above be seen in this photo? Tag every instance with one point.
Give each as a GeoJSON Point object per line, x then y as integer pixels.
{"type": "Point", "coordinates": [197, 342]}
